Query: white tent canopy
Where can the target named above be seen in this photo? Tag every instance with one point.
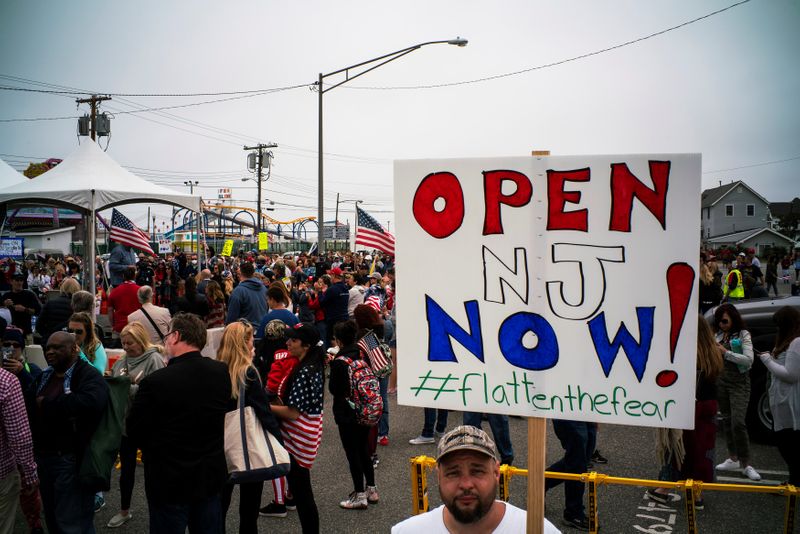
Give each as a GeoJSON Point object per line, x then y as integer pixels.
{"type": "Point", "coordinates": [89, 179]}
{"type": "Point", "coordinates": [9, 177]}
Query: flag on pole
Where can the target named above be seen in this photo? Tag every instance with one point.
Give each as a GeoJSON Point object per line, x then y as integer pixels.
{"type": "Point", "coordinates": [125, 232]}
{"type": "Point", "coordinates": [371, 234]}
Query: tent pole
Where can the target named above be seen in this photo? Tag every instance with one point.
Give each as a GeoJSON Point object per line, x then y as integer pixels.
{"type": "Point", "coordinates": [88, 249]}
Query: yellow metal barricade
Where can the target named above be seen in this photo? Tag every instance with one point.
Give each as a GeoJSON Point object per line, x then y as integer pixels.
{"type": "Point", "coordinates": [690, 488]}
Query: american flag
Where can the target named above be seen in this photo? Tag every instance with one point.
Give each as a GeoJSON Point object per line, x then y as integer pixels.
{"type": "Point", "coordinates": [372, 348]}
{"type": "Point", "coordinates": [371, 234]}
{"type": "Point", "coordinates": [123, 231]}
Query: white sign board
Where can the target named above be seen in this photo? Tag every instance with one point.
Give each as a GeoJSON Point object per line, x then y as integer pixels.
{"type": "Point", "coordinates": [164, 246]}
{"type": "Point", "coordinates": [557, 287]}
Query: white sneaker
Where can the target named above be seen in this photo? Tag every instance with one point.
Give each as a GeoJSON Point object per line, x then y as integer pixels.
{"type": "Point", "coordinates": [729, 465]}
{"type": "Point", "coordinates": [357, 501]}
{"type": "Point", "coordinates": [422, 440]}
{"type": "Point", "coordinates": [119, 520]}
{"type": "Point", "coordinates": [751, 473]}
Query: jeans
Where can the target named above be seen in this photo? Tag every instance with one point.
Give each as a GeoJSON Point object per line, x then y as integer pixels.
{"type": "Point", "coordinates": [578, 440]}
{"type": "Point", "coordinates": [434, 416]}
{"type": "Point", "coordinates": [127, 473]}
{"type": "Point", "coordinates": [500, 431]}
{"type": "Point", "coordinates": [68, 508]}
{"type": "Point", "coordinates": [733, 394]}
{"type": "Point", "coordinates": [202, 517]}
{"type": "Point", "coordinates": [383, 424]}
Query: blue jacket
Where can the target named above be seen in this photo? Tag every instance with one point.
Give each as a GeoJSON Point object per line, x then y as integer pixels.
{"type": "Point", "coordinates": [334, 302]}
{"type": "Point", "coordinates": [248, 301]}
{"type": "Point", "coordinates": [119, 260]}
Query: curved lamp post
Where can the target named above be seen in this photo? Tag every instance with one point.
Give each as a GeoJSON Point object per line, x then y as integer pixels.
{"type": "Point", "coordinates": [368, 65]}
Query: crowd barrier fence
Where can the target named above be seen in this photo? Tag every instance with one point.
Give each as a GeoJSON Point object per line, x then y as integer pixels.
{"type": "Point", "coordinates": [692, 489]}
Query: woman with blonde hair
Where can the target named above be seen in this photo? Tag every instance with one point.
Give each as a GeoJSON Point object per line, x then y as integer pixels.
{"type": "Point", "coordinates": [236, 351]}
{"type": "Point", "coordinates": [141, 359]}
{"type": "Point", "coordinates": [92, 350]}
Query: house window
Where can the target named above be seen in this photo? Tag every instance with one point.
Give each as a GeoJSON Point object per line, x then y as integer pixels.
{"type": "Point", "coordinates": [728, 210]}
{"type": "Point", "coordinates": [751, 210]}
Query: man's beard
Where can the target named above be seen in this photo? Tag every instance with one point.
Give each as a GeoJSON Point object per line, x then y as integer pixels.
{"type": "Point", "coordinates": [471, 515]}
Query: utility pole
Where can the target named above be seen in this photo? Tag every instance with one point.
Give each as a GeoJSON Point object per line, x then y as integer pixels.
{"type": "Point", "coordinates": [336, 221]}
{"type": "Point", "coordinates": [191, 185]}
{"type": "Point", "coordinates": [260, 154]}
{"type": "Point", "coordinates": [93, 101]}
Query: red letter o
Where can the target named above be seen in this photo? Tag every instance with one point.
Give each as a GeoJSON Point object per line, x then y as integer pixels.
{"type": "Point", "coordinates": [439, 224]}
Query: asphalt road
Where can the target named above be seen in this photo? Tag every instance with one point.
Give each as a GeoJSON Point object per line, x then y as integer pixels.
{"type": "Point", "coordinates": [630, 451]}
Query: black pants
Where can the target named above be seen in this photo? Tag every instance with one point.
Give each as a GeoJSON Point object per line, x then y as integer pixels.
{"type": "Point", "coordinates": [789, 447]}
{"type": "Point", "coordinates": [127, 473]}
{"type": "Point", "coordinates": [249, 501]}
{"type": "Point", "coordinates": [355, 441]}
{"type": "Point", "coordinates": [300, 486]}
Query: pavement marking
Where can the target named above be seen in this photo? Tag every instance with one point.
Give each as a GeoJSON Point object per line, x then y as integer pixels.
{"type": "Point", "coordinates": [657, 524]}
{"type": "Point", "coordinates": [762, 482]}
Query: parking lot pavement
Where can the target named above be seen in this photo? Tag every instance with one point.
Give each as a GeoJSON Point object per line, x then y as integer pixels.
{"type": "Point", "coordinates": [630, 451]}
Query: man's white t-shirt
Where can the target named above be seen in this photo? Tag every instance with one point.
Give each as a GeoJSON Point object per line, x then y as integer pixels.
{"type": "Point", "coordinates": [514, 521]}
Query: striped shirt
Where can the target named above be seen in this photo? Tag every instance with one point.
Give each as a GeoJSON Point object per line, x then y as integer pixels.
{"type": "Point", "coordinates": [16, 443]}
{"type": "Point", "coordinates": [303, 435]}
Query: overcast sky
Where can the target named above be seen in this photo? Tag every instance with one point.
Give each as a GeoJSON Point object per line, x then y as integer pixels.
{"type": "Point", "coordinates": [726, 86]}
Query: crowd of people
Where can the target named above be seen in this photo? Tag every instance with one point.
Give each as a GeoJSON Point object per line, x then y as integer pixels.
{"type": "Point", "coordinates": [288, 323]}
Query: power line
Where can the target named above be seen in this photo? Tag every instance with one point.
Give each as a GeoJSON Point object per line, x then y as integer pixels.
{"type": "Point", "coordinates": [753, 165]}
{"type": "Point", "coordinates": [553, 64]}
{"type": "Point", "coordinates": [73, 92]}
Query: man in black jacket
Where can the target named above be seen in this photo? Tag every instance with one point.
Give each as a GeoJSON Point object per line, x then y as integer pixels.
{"type": "Point", "coordinates": [178, 418]}
{"type": "Point", "coordinates": [65, 404]}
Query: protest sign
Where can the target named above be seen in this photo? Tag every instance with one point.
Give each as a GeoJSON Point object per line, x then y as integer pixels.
{"type": "Point", "coordinates": [263, 241]}
{"type": "Point", "coordinates": [557, 287]}
{"type": "Point", "coordinates": [164, 246]}
{"type": "Point", "coordinates": [227, 248]}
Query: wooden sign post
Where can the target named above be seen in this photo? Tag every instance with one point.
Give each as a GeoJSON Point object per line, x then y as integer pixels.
{"type": "Point", "coordinates": [537, 453]}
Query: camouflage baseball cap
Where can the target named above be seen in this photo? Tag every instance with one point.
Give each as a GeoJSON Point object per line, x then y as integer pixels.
{"type": "Point", "coordinates": [276, 329]}
{"type": "Point", "coordinates": [466, 438]}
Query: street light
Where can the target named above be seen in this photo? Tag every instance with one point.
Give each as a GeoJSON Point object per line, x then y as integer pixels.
{"type": "Point", "coordinates": [192, 185]}
{"type": "Point", "coordinates": [383, 60]}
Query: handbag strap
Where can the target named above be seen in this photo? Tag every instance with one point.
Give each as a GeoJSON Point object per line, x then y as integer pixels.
{"type": "Point", "coordinates": [152, 322]}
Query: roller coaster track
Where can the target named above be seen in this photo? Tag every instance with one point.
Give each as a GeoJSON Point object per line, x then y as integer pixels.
{"type": "Point", "coordinates": [253, 210]}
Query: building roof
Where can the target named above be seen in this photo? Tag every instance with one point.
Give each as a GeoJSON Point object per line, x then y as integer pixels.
{"type": "Point", "coordinates": [742, 236]}
{"type": "Point", "coordinates": [712, 196]}
{"type": "Point", "coordinates": [779, 209]}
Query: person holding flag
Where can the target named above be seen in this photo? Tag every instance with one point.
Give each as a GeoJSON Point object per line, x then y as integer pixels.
{"type": "Point", "coordinates": [125, 233]}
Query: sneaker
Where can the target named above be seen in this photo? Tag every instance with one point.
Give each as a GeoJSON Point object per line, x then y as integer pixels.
{"type": "Point", "coordinates": [372, 495]}
{"type": "Point", "coordinates": [729, 465]}
{"type": "Point", "coordinates": [273, 509]}
{"type": "Point", "coordinates": [383, 441]}
{"type": "Point", "coordinates": [99, 503]}
{"type": "Point", "coordinates": [375, 461]}
{"type": "Point", "coordinates": [598, 458]}
{"type": "Point", "coordinates": [357, 501]}
{"type": "Point", "coordinates": [438, 434]}
{"type": "Point", "coordinates": [751, 473]}
{"type": "Point", "coordinates": [422, 440]}
{"type": "Point", "coordinates": [290, 504]}
{"type": "Point", "coordinates": [578, 523]}
{"type": "Point", "coordinates": [661, 498]}
{"type": "Point", "coordinates": [119, 520]}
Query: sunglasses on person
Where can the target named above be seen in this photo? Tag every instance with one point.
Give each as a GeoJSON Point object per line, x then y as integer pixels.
{"type": "Point", "coordinates": [78, 331]}
{"type": "Point", "coordinates": [12, 344]}
{"type": "Point", "coordinates": [724, 321]}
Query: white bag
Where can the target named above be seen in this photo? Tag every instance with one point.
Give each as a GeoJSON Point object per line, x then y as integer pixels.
{"type": "Point", "coordinates": [252, 453]}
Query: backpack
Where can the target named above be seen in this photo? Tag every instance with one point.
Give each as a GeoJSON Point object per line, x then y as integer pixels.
{"type": "Point", "coordinates": [365, 392]}
{"type": "Point", "coordinates": [378, 354]}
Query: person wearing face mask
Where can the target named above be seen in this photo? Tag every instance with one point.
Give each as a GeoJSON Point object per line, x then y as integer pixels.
{"type": "Point", "coordinates": [65, 404]}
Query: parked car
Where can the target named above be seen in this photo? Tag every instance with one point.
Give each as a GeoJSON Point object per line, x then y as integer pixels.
{"type": "Point", "coordinates": [757, 316]}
